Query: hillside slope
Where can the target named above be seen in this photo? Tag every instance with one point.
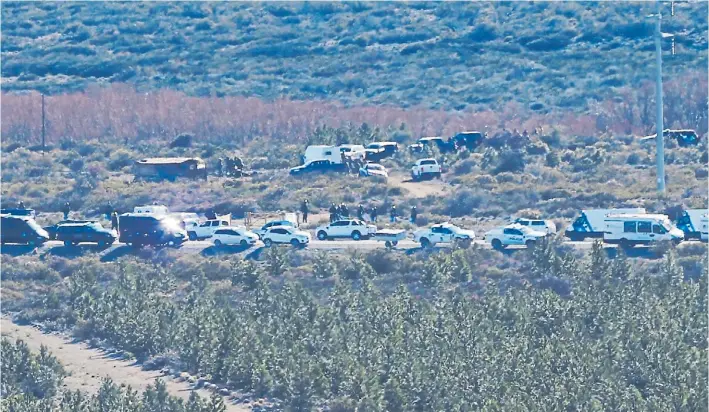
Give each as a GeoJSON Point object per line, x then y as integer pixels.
{"type": "Point", "coordinates": [437, 55]}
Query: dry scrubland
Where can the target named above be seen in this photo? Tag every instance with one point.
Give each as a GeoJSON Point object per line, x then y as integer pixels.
{"type": "Point", "coordinates": [549, 329]}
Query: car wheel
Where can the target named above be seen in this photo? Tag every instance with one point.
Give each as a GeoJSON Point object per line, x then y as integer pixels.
{"type": "Point", "coordinates": [192, 236]}
{"type": "Point", "coordinates": [497, 244]}
{"type": "Point", "coordinates": [425, 243]}
{"type": "Point", "coordinates": [322, 235]}
{"type": "Point", "coordinates": [356, 235]}
{"type": "Point", "coordinates": [294, 242]}
{"type": "Point", "coordinates": [67, 243]}
{"type": "Point", "coordinates": [625, 244]}
{"type": "Point", "coordinates": [217, 242]}
{"type": "Point", "coordinates": [244, 243]}
{"type": "Point", "coordinates": [464, 243]}
{"type": "Point", "coordinates": [530, 244]}
{"type": "Point", "coordinates": [268, 242]}
{"type": "Point", "coordinates": [388, 244]}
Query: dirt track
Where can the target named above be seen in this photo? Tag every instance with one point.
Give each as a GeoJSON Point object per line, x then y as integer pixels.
{"type": "Point", "coordinates": [88, 366]}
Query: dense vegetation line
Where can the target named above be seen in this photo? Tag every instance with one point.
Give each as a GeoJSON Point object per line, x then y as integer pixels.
{"type": "Point", "coordinates": [33, 383]}
{"type": "Point", "coordinates": [608, 336]}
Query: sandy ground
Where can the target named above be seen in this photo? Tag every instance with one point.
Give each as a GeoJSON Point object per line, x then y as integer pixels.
{"type": "Point", "coordinates": [87, 367]}
{"type": "Point", "coordinates": [418, 189]}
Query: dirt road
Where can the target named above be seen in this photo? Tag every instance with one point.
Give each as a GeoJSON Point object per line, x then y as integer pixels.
{"type": "Point", "coordinates": [87, 367]}
{"type": "Point", "coordinates": [418, 189]}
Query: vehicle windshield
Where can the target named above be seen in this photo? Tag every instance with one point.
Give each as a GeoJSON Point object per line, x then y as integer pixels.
{"type": "Point", "coordinates": [667, 225]}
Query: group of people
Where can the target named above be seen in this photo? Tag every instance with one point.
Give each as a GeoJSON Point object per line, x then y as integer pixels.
{"type": "Point", "coordinates": [341, 211]}
{"type": "Point", "coordinates": [230, 166]}
{"type": "Point", "coordinates": [353, 165]}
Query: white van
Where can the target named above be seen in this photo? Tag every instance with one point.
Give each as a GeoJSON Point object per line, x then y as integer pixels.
{"type": "Point", "coordinates": [158, 210]}
{"type": "Point", "coordinates": [629, 230]}
{"type": "Point", "coordinates": [591, 223]}
{"type": "Point", "coordinates": [693, 223]}
{"type": "Point", "coordinates": [353, 151]}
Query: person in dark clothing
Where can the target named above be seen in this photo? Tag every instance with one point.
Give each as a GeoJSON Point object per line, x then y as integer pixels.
{"type": "Point", "coordinates": [109, 209]}
{"type": "Point", "coordinates": [392, 214]}
{"type": "Point", "coordinates": [414, 213]}
{"type": "Point", "coordinates": [360, 212]}
{"type": "Point", "coordinates": [220, 167]}
{"type": "Point", "coordinates": [304, 210]}
{"type": "Point", "coordinates": [344, 212]}
{"type": "Point", "coordinates": [114, 221]}
{"type": "Point", "coordinates": [373, 213]}
{"type": "Point", "coordinates": [66, 209]}
{"type": "Point", "coordinates": [333, 213]}
{"type": "Point", "coordinates": [21, 205]}
{"type": "Point", "coordinates": [211, 215]}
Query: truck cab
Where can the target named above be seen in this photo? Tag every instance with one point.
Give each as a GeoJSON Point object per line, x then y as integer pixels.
{"type": "Point", "coordinates": [205, 230]}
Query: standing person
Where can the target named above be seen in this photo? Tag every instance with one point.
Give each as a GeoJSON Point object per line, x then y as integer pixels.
{"type": "Point", "coordinates": [66, 209]}
{"type": "Point", "coordinates": [114, 220]}
{"type": "Point", "coordinates": [220, 167]}
{"type": "Point", "coordinates": [344, 212]}
{"type": "Point", "coordinates": [414, 212]}
{"type": "Point", "coordinates": [392, 214]}
{"type": "Point", "coordinates": [211, 215]}
{"type": "Point", "coordinates": [109, 209]}
{"type": "Point", "coordinates": [21, 205]}
{"type": "Point", "coordinates": [304, 210]}
{"type": "Point", "coordinates": [360, 212]}
{"type": "Point", "coordinates": [333, 213]}
{"type": "Point", "coordinates": [373, 214]}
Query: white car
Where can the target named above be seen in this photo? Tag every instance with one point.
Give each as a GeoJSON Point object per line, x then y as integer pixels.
{"type": "Point", "coordinates": [204, 230]}
{"type": "Point", "coordinates": [546, 226]}
{"type": "Point", "coordinates": [354, 228]}
{"type": "Point", "coordinates": [260, 232]}
{"type": "Point", "coordinates": [230, 235]}
{"type": "Point", "coordinates": [514, 234]}
{"type": "Point", "coordinates": [443, 233]}
{"type": "Point", "coordinates": [285, 235]}
{"type": "Point", "coordinates": [374, 170]}
{"type": "Point", "coordinates": [425, 168]}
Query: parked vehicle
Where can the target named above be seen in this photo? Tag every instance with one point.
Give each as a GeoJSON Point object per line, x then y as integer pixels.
{"type": "Point", "coordinates": [91, 232]}
{"type": "Point", "coordinates": [377, 151]}
{"type": "Point", "coordinates": [444, 233]}
{"type": "Point", "coordinates": [22, 230]}
{"type": "Point", "coordinates": [437, 141]}
{"type": "Point", "coordinates": [629, 230]}
{"type": "Point", "coordinates": [373, 170]}
{"type": "Point", "coordinates": [425, 168]}
{"type": "Point", "coordinates": [546, 226]}
{"type": "Point", "coordinates": [230, 235]}
{"type": "Point", "coordinates": [52, 229]}
{"type": "Point", "coordinates": [318, 166]}
{"type": "Point", "coordinates": [19, 212]}
{"type": "Point", "coordinates": [136, 229]}
{"type": "Point", "coordinates": [204, 230]}
{"type": "Point", "coordinates": [352, 151]}
{"type": "Point", "coordinates": [260, 232]}
{"type": "Point", "coordinates": [693, 223]}
{"type": "Point", "coordinates": [684, 137]}
{"type": "Point", "coordinates": [470, 140]}
{"type": "Point", "coordinates": [591, 223]}
{"type": "Point", "coordinates": [513, 234]}
{"type": "Point", "coordinates": [352, 228]}
{"type": "Point", "coordinates": [390, 237]}
{"type": "Point", "coordinates": [170, 168]}
{"type": "Point", "coordinates": [285, 235]}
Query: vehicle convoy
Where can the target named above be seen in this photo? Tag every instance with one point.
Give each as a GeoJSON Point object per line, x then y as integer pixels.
{"type": "Point", "coordinates": [285, 235]}
{"type": "Point", "coordinates": [261, 231]}
{"type": "Point", "coordinates": [425, 168]}
{"type": "Point", "coordinates": [142, 229]}
{"type": "Point", "coordinates": [230, 235]}
{"type": "Point", "coordinates": [74, 233]}
{"type": "Point", "coordinates": [591, 223]}
{"type": "Point", "coordinates": [628, 230]}
{"type": "Point", "coordinates": [205, 230]}
{"type": "Point", "coordinates": [513, 235]}
{"type": "Point", "coordinates": [352, 228]}
{"type": "Point", "coordinates": [444, 233]}
{"type": "Point", "coordinates": [21, 230]}
{"type": "Point", "coordinates": [373, 170]}
{"type": "Point", "coordinates": [546, 226]}
{"type": "Point", "coordinates": [693, 223]}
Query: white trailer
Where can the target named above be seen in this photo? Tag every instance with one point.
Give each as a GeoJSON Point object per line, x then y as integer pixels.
{"type": "Point", "coordinates": [629, 230]}
{"type": "Point", "coordinates": [694, 224]}
{"type": "Point", "coordinates": [591, 223]}
{"type": "Point", "coordinates": [321, 152]}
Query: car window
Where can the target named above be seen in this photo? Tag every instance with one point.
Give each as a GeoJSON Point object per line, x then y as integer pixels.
{"type": "Point", "coordinates": [523, 222]}
{"type": "Point", "coordinates": [436, 229]}
{"type": "Point", "coordinates": [538, 223]}
{"type": "Point", "coordinates": [340, 223]}
{"type": "Point", "coordinates": [644, 227]}
{"type": "Point", "coordinates": [658, 229]}
{"type": "Point", "coordinates": [224, 223]}
{"type": "Point", "coordinates": [279, 231]}
{"type": "Point", "coordinates": [446, 231]}
{"type": "Point", "coordinates": [428, 162]}
{"type": "Point", "coordinates": [512, 232]}
{"type": "Point", "coordinates": [221, 232]}
{"type": "Point", "coordinates": [205, 224]}
{"type": "Point", "coordinates": [629, 227]}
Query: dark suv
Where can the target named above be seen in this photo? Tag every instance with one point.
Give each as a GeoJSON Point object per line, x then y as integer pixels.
{"type": "Point", "coordinates": [75, 233]}
{"type": "Point", "coordinates": [52, 230]}
{"type": "Point", "coordinates": [21, 229]}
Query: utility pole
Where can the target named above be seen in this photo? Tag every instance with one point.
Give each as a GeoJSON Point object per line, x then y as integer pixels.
{"type": "Point", "coordinates": [660, 153]}
{"type": "Point", "coordinates": [43, 128]}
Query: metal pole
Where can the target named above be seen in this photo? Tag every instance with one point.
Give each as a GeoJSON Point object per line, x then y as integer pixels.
{"type": "Point", "coordinates": [660, 156]}
{"type": "Point", "coordinates": [43, 128]}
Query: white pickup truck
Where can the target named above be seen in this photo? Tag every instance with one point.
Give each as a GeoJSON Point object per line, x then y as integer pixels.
{"type": "Point", "coordinates": [425, 168]}
{"type": "Point", "coordinates": [205, 230]}
{"type": "Point", "coordinates": [444, 233]}
{"type": "Point", "coordinates": [514, 234]}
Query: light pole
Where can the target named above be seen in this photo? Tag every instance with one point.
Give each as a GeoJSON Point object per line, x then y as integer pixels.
{"type": "Point", "coordinates": [660, 152]}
